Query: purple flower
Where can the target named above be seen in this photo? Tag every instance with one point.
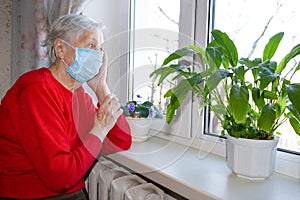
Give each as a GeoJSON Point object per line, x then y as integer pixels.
{"type": "Point", "coordinates": [131, 107]}
{"type": "Point", "coordinates": [152, 112]}
{"type": "Point", "coordinates": [138, 96]}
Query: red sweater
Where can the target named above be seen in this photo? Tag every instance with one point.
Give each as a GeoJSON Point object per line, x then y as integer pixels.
{"type": "Point", "coordinates": [45, 145]}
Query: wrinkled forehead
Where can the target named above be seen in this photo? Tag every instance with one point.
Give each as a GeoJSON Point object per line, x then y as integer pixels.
{"type": "Point", "coordinates": [95, 36]}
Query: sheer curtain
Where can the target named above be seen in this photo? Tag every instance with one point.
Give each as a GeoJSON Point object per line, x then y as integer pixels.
{"type": "Point", "coordinates": [31, 22]}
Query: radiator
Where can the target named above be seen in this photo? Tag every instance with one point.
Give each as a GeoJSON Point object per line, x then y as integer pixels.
{"type": "Point", "coordinates": [108, 181]}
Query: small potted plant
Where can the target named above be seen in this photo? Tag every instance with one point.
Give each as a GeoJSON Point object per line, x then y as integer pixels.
{"type": "Point", "coordinates": [139, 116]}
{"type": "Point", "coordinates": [251, 98]}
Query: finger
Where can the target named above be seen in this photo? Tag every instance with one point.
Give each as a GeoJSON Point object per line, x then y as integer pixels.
{"type": "Point", "coordinates": [104, 62]}
{"type": "Point", "coordinates": [104, 57]}
{"type": "Point", "coordinates": [110, 104]}
{"type": "Point", "coordinates": [107, 99]}
{"type": "Point", "coordinates": [116, 108]}
{"type": "Point", "coordinates": [118, 113]}
{"type": "Point", "coordinates": [114, 101]}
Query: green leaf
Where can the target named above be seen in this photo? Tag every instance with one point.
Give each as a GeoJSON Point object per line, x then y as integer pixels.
{"type": "Point", "coordinates": [295, 124]}
{"type": "Point", "coordinates": [281, 102]}
{"type": "Point", "coordinates": [168, 93]}
{"type": "Point", "coordinates": [143, 111]}
{"type": "Point", "coordinates": [177, 54]}
{"type": "Point", "coordinates": [267, 118]}
{"type": "Point", "coordinates": [266, 77]}
{"type": "Point", "coordinates": [272, 46]}
{"type": "Point", "coordinates": [214, 55]}
{"type": "Point", "coordinates": [239, 72]}
{"type": "Point", "coordinates": [213, 81]}
{"type": "Point", "coordinates": [178, 95]}
{"type": "Point", "coordinates": [269, 95]}
{"type": "Point", "coordinates": [147, 104]}
{"type": "Point", "coordinates": [250, 63]}
{"type": "Point", "coordinates": [238, 103]}
{"type": "Point", "coordinates": [297, 68]}
{"type": "Point", "coordinates": [293, 91]}
{"type": "Point", "coordinates": [206, 72]}
{"type": "Point", "coordinates": [200, 52]}
{"type": "Point", "coordinates": [293, 53]}
{"type": "Point", "coordinates": [133, 101]}
{"type": "Point", "coordinates": [170, 114]}
{"type": "Point", "coordinates": [294, 111]}
{"type": "Point", "coordinates": [228, 46]}
{"type": "Point", "coordinates": [164, 72]}
{"type": "Point", "coordinates": [258, 99]}
{"type": "Point", "coordinates": [255, 72]}
{"type": "Point", "coordinates": [126, 110]}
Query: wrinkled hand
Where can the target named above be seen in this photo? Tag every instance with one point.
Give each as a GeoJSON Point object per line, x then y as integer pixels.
{"type": "Point", "coordinates": [106, 116]}
{"type": "Point", "coordinates": [98, 84]}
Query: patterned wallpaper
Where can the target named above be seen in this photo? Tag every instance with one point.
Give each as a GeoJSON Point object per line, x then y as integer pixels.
{"type": "Point", "coordinates": [5, 44]}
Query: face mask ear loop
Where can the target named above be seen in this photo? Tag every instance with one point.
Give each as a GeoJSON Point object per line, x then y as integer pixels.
{"type": "Point", "coordinates": [67, 43]}
{"type": "Point", "coordinates": [64, 62]}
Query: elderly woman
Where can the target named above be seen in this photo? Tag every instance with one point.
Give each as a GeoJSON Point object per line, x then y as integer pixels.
{"type": "Point", "coordinates": [51, 132]}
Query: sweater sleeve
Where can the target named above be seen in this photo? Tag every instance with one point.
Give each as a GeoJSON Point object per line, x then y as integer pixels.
{"type": "Point", "coordinates": [45, 133]}
{"type": "Point", "coordinates": [119, 138]}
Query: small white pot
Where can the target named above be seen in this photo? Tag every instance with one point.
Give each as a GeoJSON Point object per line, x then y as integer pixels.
{"type": "Point", "coordinates": [251, 159]}
{"type": "Point", "coordinates": [139, 128]}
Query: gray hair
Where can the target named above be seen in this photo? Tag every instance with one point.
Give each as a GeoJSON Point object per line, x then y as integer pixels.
{"type": "Point", "coordinates": [69, 28]}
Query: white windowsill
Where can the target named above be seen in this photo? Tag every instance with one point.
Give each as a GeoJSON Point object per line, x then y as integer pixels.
{"type": "Point", "coordinates": [179, 169]}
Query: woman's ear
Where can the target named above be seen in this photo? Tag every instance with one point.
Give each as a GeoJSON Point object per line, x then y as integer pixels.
{"type": "Point", "coordinates": [59, 48]}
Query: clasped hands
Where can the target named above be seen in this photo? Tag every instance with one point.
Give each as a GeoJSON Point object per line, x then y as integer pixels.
{"type": "Point", "coordinates": [110, 108]}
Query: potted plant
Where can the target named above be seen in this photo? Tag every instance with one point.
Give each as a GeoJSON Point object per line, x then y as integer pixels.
{"type": "Point", "coordinates": [251, 98]}
{"type": "Point", "coordinates": [139, 116]}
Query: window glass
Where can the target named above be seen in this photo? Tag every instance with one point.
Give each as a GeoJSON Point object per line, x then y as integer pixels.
{"type": "Point", "coordinates": [250, 23]}
{"type": "Point", "coordinates": [155, 36]}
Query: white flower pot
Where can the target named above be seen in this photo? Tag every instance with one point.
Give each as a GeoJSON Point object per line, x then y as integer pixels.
{"type": "Point", "coordinates": [251, 159]}
{"type": "Point", "coordinates": [139, 128]}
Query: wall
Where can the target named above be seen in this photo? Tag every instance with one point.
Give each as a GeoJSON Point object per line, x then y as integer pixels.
{"type": "Point", "coordinates": [5, 44]}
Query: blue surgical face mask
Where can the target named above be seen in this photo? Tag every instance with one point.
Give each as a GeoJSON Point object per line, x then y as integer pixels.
{"type": "Point", "coordinates": [86, 65]}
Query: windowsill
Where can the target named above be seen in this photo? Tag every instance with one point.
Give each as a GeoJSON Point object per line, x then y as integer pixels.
{"type": "Point", "coordinates": [179, 169]}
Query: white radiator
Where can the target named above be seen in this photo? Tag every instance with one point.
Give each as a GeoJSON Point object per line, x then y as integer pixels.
{"type": "Point", "coordinates": [108, 181]}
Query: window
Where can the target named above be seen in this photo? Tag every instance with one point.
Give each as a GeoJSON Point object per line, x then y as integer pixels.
{"type": "Point", "coordinates": [250, 23]}
{"type": "Point", "coordinates": [157, 30]}
{"type": "Point", "coordinates": [155, 36]}
{"type": "Point", "coordinates": [157, 24]}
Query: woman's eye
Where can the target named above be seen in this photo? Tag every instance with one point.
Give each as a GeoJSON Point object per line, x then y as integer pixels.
{"type": "Point", "coordinates": [91, 45]}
